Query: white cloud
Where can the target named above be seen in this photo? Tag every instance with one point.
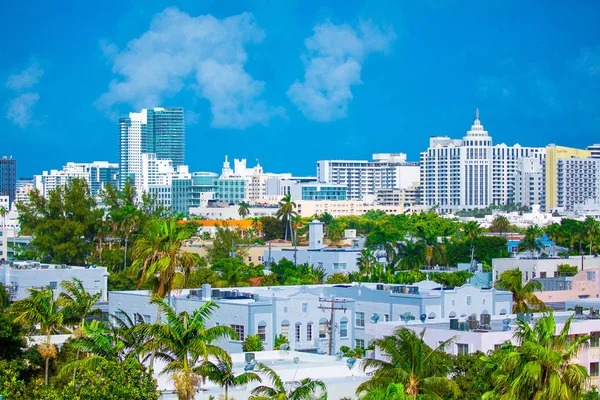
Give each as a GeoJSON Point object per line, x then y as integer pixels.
{"type": "Point", "coordinates": [25, 79]}
{"type": "Point", "coordinates": [202, 53]}
{"type": "Point", "coordinates": [20, 109]}
{"type": "Point", "coordinates": [333, 65]}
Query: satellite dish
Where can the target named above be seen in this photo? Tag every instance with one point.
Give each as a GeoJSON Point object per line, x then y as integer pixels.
{"type": "Point", "coordinates": [284, 346]}
{"type": "Point", "coordinates": [350, 362]}
{"type": "Point", "coordinates": [296, 360]}
{"type": "Point", "coordinates": [423, 317]}
{"type": "Point", "coordinates": [339, 355]}
{"type": "Point", "coordinates": [375, 318]}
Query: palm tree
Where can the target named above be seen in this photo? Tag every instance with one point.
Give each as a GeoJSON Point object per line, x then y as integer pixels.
{"type": "Point", "coordinates": [129, 223]}
{"type": "Point", "coordinates": [185, 343]}
{"type": "Point", "coordinates": [221, 373]}
{"type": "Point", "coordinates": [3, 212]}
{"type": "Point", "coordinates": [591, 228]}
{"type": "Point", "coordinates": [244, 209]}
{"type": "Point", "coordinates": [394, 391]}
{"type": "Point", "coordinates": [500, 224]}
{"type": "Point", "coordinates": [306, 389]}
{"type": "Point", "coordinates": [524, 299]}
{"type": "Point", "coordinates": [257, 225]}
{"type": "Point", "coordinates": [555, 233]}
{"type": "Point", "coordinates": [159, 259]}
{"type": "Point", "coordinates": [531, 241]}
{"type": "Point", "coordinates": [409, 362]}
{"type": "Point", "coordinates": [286, 212]}
{"type": "Point", "coordinates": [542, 366]}
{"type": "Point", "coordinates": [431, 246]}
{"type": "Point", "coordinates": [472, 231]}
{"type": "Point", "coordinates": [297, 223]}
{"type": "Point", "coordinates": [412, 254]}
{"type": "Point", "coordinates": [41, 308]}
{"type": "Point", "coordinates": [366, 262]}
{"type": "Point", "coordinates": [78, 304]}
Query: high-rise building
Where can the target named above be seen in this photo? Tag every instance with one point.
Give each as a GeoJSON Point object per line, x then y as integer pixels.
{"type": "Point", "coordinates": [363, 178]}
{"type": "Point", "coordinates": [24, 187]}
{"type": "Point", "coordinates": [97, 174]}
{"type": "Point", "coordinates": [8, 178]}
{"type": "Point", "coordinates": [470, 172]}
{"type": "Point", "coordinates": [578, 182]}
{"type": "Point", "coordinates": [530, 183]}
{"type": "Point", "coordinates": [160, 131]}
{"type": "Point", "coordinates": [594, 150]}
{"type": "Point", "coordinates": [553, 156]}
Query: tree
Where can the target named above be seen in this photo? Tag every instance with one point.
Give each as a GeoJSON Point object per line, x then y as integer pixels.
{"type": "Point", "coordinates": [185, 343]}
{"type": "Point", "coordinates": [411, 253]}
{"type": "Point", "coordinates": [279, 341]}
{"type": "Point", "coordinates": [252, 343]}
{"type": "Point", "coordinates": [244, 209]}
{"type": "Point", "coordinates": [338, 278]}
{"type": "Point", "coordinates": [272, 228]}
{"type": "Point", "coordinates": [591, 228]}
{"type": "Point", "coordinates": [500, 224]}
{"type": "Point", "coordinates": [159, 259]}
{"type": "Point", "coordinates": [366, 262]}
{"type": "Point", "coordinates": [531, 241]}
{"type": "Point", "coordinates": [472, 231]}
{"type": "Point", "coordinates": [421, 369]}
{"type": "Point", "coordinates": [431, 245]}
{"type": "Point", "coordinates": [286, 212]}
{"type": "Point", "coordinates": [64, 226]}
{"type": "Point", "coordinates": [41, 308]}
{"type": "Point", "coordinates": [3, 213]}
{"type": "Point", "coordinates": [471, 375]}
{"type": "Point", "coordinates": [542, 366]}
{"type": "Point", "coordinates": [221, 373]}
{"type": "Point", "coordinates": [12, 338]}
{"type": "Point", "coordinates": [524, 299]}
{"type": "Point", "coordinates": [4, 298]}
{"type": "Point", "coordinates": [335, 231]}
{"type": "Point", "coordinates": [306, 389]}
{"type": "Point", "coordinates": [78, 304]}
{"type": "Point", "coordinates": [394, 391]}
{"type": "Point", "coordinates": [555, 233]}
{"type": "Point", "coordinates": [227, 240]}
{"type": "Point", "coordinates": [567, 269]}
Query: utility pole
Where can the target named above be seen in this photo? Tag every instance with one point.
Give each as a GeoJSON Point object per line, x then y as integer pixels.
{"type": "Point", "coordinates": [332, 305]}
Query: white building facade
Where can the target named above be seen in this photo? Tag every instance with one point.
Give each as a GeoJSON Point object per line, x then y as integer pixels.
{"type": "Point", "coordinates": [578, 182]}
{"type": "Point", "coordinates": [363, 178]}
{"type": "Point", "coordinates": [470, 172]}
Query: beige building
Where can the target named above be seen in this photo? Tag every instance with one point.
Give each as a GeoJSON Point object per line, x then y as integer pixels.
{"type": "Point", "coordinates": [341, 208]}
{"type": "Point", "coordinates": [256, 253]}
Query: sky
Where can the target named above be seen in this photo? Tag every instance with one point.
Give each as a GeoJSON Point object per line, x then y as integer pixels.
{"type": "Point", "coordinates": [293, 82]}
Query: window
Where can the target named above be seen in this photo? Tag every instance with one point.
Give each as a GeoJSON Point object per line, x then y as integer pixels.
{"type": "Point", "coordinates": [462, 348]}
{"type": "Point", "coordinates": [594, 369]}
{"type": "Point", "coordinates": [285, 328]}
{"type": "Point", "coordinates": [304, 307]}
{"type": "Point", "coordinates": [344, 328]}
{"type": "Point", "coordinates": [322, 329]}
{"type": "Point", "coordinates": [360, 344]}
{"type": "Point", "coordinates": [146, 318]}
{"type": "Point", "coordinates": [52, 285]}
{"type": "Point", "coordinates": [309, 331]}
{"type": "Point", "coordinates": [298, 332]}
{"type": "Point", "coordinates": [386, 317]}
{"type": "Point", "coordinates": [262, 331]}
{"type": "Point", "coordinates": [468, 300]}
{"type": "Point", "coordinates": [97, 285]}
{"type": "Point", "coordinates": [339, 265]}
{"type": "Point", "coordinates": [239, 329]}
{"type": "Point", "coordinates": [526, 275]}
{"type": "Point", "coordinates": [595, 339]}
{"type": "Point", "coordinates": [360, 318]}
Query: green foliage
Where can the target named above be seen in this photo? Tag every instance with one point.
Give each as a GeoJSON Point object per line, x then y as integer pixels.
{"type": "Point", "coordinates": [356, 352]}
{"type": "Point", "coordinates": [272, 228]}
{"type": "Point", "coordinates": [469, 372]}
{"type": "Point", "coordinates": [486, 248]}
{"type": "Point", "coordinates": [252, 343]}
{"type": "Point", "coordinates": [12, 338]}
{"type": "Point", "coordinates": [289, 274]}
{"type": "Point", "coordinates": [64, 226]}
{"type": "Point", "coordinates": [202, 275]}
{"type": "Point", "coordinates": [280, 340]}
{"type": "Point", "coordinates": [524, 299]}
{"type": "Point", "coordinates": [567, 270]}
{"type": "Point", "coordinates": [226, 240]}
{"type": "Point", "coordinates": [394, 391]}
{"type": "Point", "coordinates": [338, 278]}
{"type": "Point", "coordinates": [12, 386]}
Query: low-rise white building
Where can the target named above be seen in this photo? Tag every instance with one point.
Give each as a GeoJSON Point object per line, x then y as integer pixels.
{"type": "Point", "coordinates": [541, 267]}
{"type": "Point", "coordinates": [18, 276]}
{"type": "Point", "coordinates": [3, 245]}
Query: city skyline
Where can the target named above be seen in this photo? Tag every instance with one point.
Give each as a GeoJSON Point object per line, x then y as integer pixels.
{"type": "Point", "coordinates": [534, 83]}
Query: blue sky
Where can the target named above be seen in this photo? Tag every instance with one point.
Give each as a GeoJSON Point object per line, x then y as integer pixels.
{"type": "Point", "coordinates": [292, 82]}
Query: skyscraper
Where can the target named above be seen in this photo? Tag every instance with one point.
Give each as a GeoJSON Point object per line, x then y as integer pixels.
{"type": "Point", "coordinates": [8, 178]}
{"type": "Point", "coordinates": [159, 131]}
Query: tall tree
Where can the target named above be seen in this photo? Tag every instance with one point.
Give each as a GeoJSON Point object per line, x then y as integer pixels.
{"type": "Point", "coordinates": [159, 259]}
{"type": "Point", "coordinates": [591, 227]}
{"type": "Point", "coordinates": [306, 389]}
{"type": "Point", "coordinates": [64, 226]}
{"type": "Point", "coordinates": [286, 212]}
{"type": "Point", "coordinates": [500, 224]}
{"type": "Point", "coordinates": [410, 362]}
{"type": "Point", "coordinates": [524, 299]}
{"type": "Point", "coordinates": [472, 232]}
{"type": "Point", "coordinates": [221, 372]}
{"type": "Point", "coordinates": [531, 242]}
{"type": "Point", "coordinates": [542, 366]}
{"type": "Point", "coordinates": [226, 241]}
{"type": "Point", "coordinates": [78, 304]}
{"type": "Point", "coordinates": [412, 254]}
{"type": "Point", "coordinates": [3, 213]}
{"type": "Point", "coordinates": [41, 308]}
{"type": "Point", "coordinates": [184, 342]}
{"type": "Point", "coordinates": [366, 262]}
{"type": "Point", "coordinates": [244, 209]}
{"type": "Point", "coordinates": [555, 233]}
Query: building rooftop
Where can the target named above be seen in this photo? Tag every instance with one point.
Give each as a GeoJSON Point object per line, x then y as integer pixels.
{"type": "Point", "coordinates": [36, 265]}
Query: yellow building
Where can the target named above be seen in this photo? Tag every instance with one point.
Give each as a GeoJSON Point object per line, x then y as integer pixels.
{"type": "Point", "coordinates": [553, 154]}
